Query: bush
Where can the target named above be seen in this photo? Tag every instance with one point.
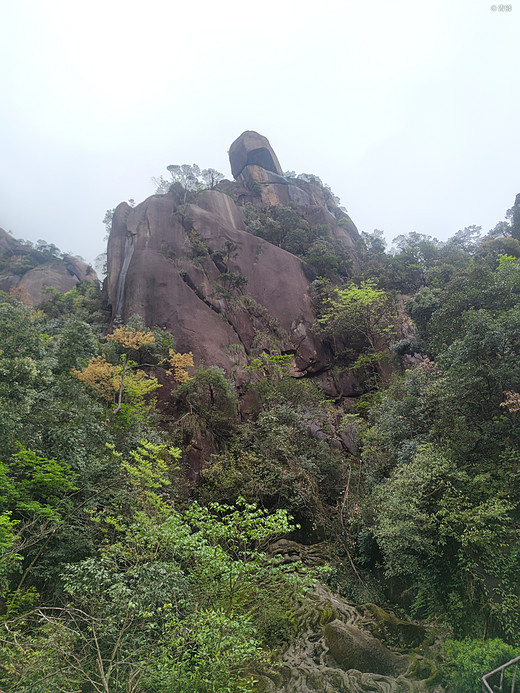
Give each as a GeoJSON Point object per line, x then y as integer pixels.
{"type": "Point", "coordinates": [468, 660]}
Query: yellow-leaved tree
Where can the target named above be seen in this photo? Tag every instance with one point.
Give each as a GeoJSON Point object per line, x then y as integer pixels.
{"type": "Point", "coordinates": [178, 365]}
{"type": "Point", "coordinates": [125, 381]}
{"type": "Point", "coordinates": [114, 381]}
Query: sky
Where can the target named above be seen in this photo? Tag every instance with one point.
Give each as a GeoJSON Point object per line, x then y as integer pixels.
{"type": "Point", "coordinates": [409, 110]}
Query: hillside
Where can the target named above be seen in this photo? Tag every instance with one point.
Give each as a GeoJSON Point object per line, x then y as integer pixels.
{"type": "Point", "coordinates": [271, 456]}
{"type": "Point", "coordinates": [27, 270]}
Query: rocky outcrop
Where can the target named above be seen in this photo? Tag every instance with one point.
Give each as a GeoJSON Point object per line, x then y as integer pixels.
{"type": "Point", "coordinates": [335, 651]}
{"type": "Point", "coordinates": [225, 294]}
{"type": "Point", "coordinates": [29, 271]}
{"type": "Point", "coordinates": [252, 149]}
{"type": "Point", "coordinates": [180, 269]}
{"type": "Point", "coordinates": [265, 185]}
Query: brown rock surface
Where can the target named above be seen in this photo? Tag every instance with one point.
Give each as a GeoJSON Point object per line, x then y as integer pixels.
{"type": "Point", "coordinates": [63, 274]}
{"type": "Point", "coordinates": [36, 280]}
{"type": "Point", "coordinates": [252, 148]}
{"type": "Point", "coordinates": [174, 278]}
{"type": "Point", "coordinates": [223, 292]}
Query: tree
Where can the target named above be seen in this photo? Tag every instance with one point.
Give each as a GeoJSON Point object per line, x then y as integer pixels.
{"type": "Point", "coordinates": [173, 603]}
{"type": "Point", "coordinates": [111, 381]}
{"type": "Point", "coordinates": [468, 660]}
{"type": "Point", "coordinates": [468, 239]}
{"type": "Point", "coordinates": [35, 500]}
{"type": "Point", "coordinates": [441, 529]}
{"type": "Point", "coordinates": [514, 215]}
{"type": "Point", "coordinates": [179, 363]}
{"type": "Point", "coordinates": [211, 177]}
{"type": "Point", "coordinates": [187, 179]}
{"type": "Point", "coordinates": [362, 316]}
{"type": "Point", "coordinates": [206, 401]}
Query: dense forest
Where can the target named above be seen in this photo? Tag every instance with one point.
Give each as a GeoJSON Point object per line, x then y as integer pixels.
{"type": "Point", "coordinates": [121, 572]}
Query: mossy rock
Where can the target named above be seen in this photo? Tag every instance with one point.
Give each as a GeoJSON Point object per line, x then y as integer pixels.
{"type": "Point", "coordinates": [425, 670]}
{"type": "Point", "coordinates": [351, 648]}
{"type": "Point", "coordinates": [398, 631]}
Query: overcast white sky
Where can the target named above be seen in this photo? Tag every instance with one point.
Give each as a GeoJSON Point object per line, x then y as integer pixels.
{"type": "Point", "coordinates": [408, 109]}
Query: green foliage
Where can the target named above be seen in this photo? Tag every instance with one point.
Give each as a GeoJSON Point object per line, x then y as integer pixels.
{"type": "Point", "coordinates": [440, 311]}
{"type": "Point", "coordinates": [206, 653]}
{"type": "Point", "coordinates": [198, 248]}
{"type": "Point", "coordinates": [275, 460]}
{"type": "Point", "coordinates": [422, 306]}
{"type": "Point", "coordinates": [363, 317]}
{"type": "Point", "coordinates": [83, 302]}
{"type": "Point", "coordinates": [187, 180]}
{"type": "Point", "coordinates": [229, 283]}
{"type": "Point", "coordinates": [468, 660]}
{"type": "Point", "coordinates": [328, 258]}
{"type": "Point", "coordinates": [206, 400]}
{"type": "Point", "coordinates": [417, 260]}
{"type": "Point", "coordinates": [22, 256]}
{"type": "Point", "coordinates": [270, 366]}
{"type": "Point", "coordinates": [445, 513]}
{"type": "Point", "coordinates": [284, 227]}
{"type": "Point", "coordinates": [26, 364]}
{"type": "Point", "coordinates": [36, 485]}
{"type": "Point", "coordinates": [176, 596]}
{"type": "Point", "coordinates": [281, 226]}
{"type": "Point", "coordinates": [76, 345]}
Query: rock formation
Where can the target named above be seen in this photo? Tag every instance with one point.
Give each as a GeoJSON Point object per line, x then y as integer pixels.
{"type": "Point", "coordinates": [196, 270]}
{"type": "Point", "coordinates": [252, 149]}
{"type": "Point", "coordinates": [28, 271]}
{"type": "Point", "coordinates": [335, 651]}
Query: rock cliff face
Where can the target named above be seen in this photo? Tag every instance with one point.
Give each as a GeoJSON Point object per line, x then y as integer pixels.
{"type": "Point", "coordinates": [195, 269]}
{"type": "Point", "coordinates": [29, 271]}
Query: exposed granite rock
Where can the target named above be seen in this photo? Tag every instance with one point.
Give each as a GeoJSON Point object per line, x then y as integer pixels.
{"type": "Point", "coordinates": [351, 648]}
{"type": "Point", "coordinates": [335, 652]}
{"type": "Point", "coordinates": [62, 274]}
{"type": "Point", "coordinates": [386, 625]}
{"type": "Point", "coordinates": [166, 264]}
{"type": "Point", "coordinates": [252, 149]}
{"type": "Point", "coordinates": [224, 293]}
{"type": "Point", "coordinates": [55, 275]}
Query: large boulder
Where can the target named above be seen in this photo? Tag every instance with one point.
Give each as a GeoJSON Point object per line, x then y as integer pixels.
{"type": "Point", "coordinates": [222, 292]}
{"type": "Point", "coordinates": [252, 149]}
{"type": "Point", "coordinates": [225, 294]}
{"type": "Point", "coordinates": [264, 185]}
{"type": "Point", "coordinates": [351, 648]}
{"type": "Point", "coordinates": [32, 286]}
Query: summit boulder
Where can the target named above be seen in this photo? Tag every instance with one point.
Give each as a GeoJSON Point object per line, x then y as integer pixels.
{"type": "Point", "coordinates": [252, 149]}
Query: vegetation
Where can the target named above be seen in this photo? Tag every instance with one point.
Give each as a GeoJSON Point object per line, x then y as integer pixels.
{"type": "Point", "coordinates": [21, 256]}
{"type": "Point", "coordinates": [185, 181]}
{"type": "Point", "coordinates": [284, 227]}
{"type": "Point", "coordinates": [109, 574]}
{"type": "Point", "coordinates": [119, 574]}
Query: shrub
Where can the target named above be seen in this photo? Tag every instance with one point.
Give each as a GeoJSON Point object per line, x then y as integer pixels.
{"type": "Point", "coordinates": [468, 660]}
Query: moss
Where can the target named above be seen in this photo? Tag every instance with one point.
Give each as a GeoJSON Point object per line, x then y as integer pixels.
{"type": "Point", "coordinates": [327, 615]}
{"type": "Point", "coordinates": [424, 670]}
{"type": "Point", "coordinates": [395, 630]}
